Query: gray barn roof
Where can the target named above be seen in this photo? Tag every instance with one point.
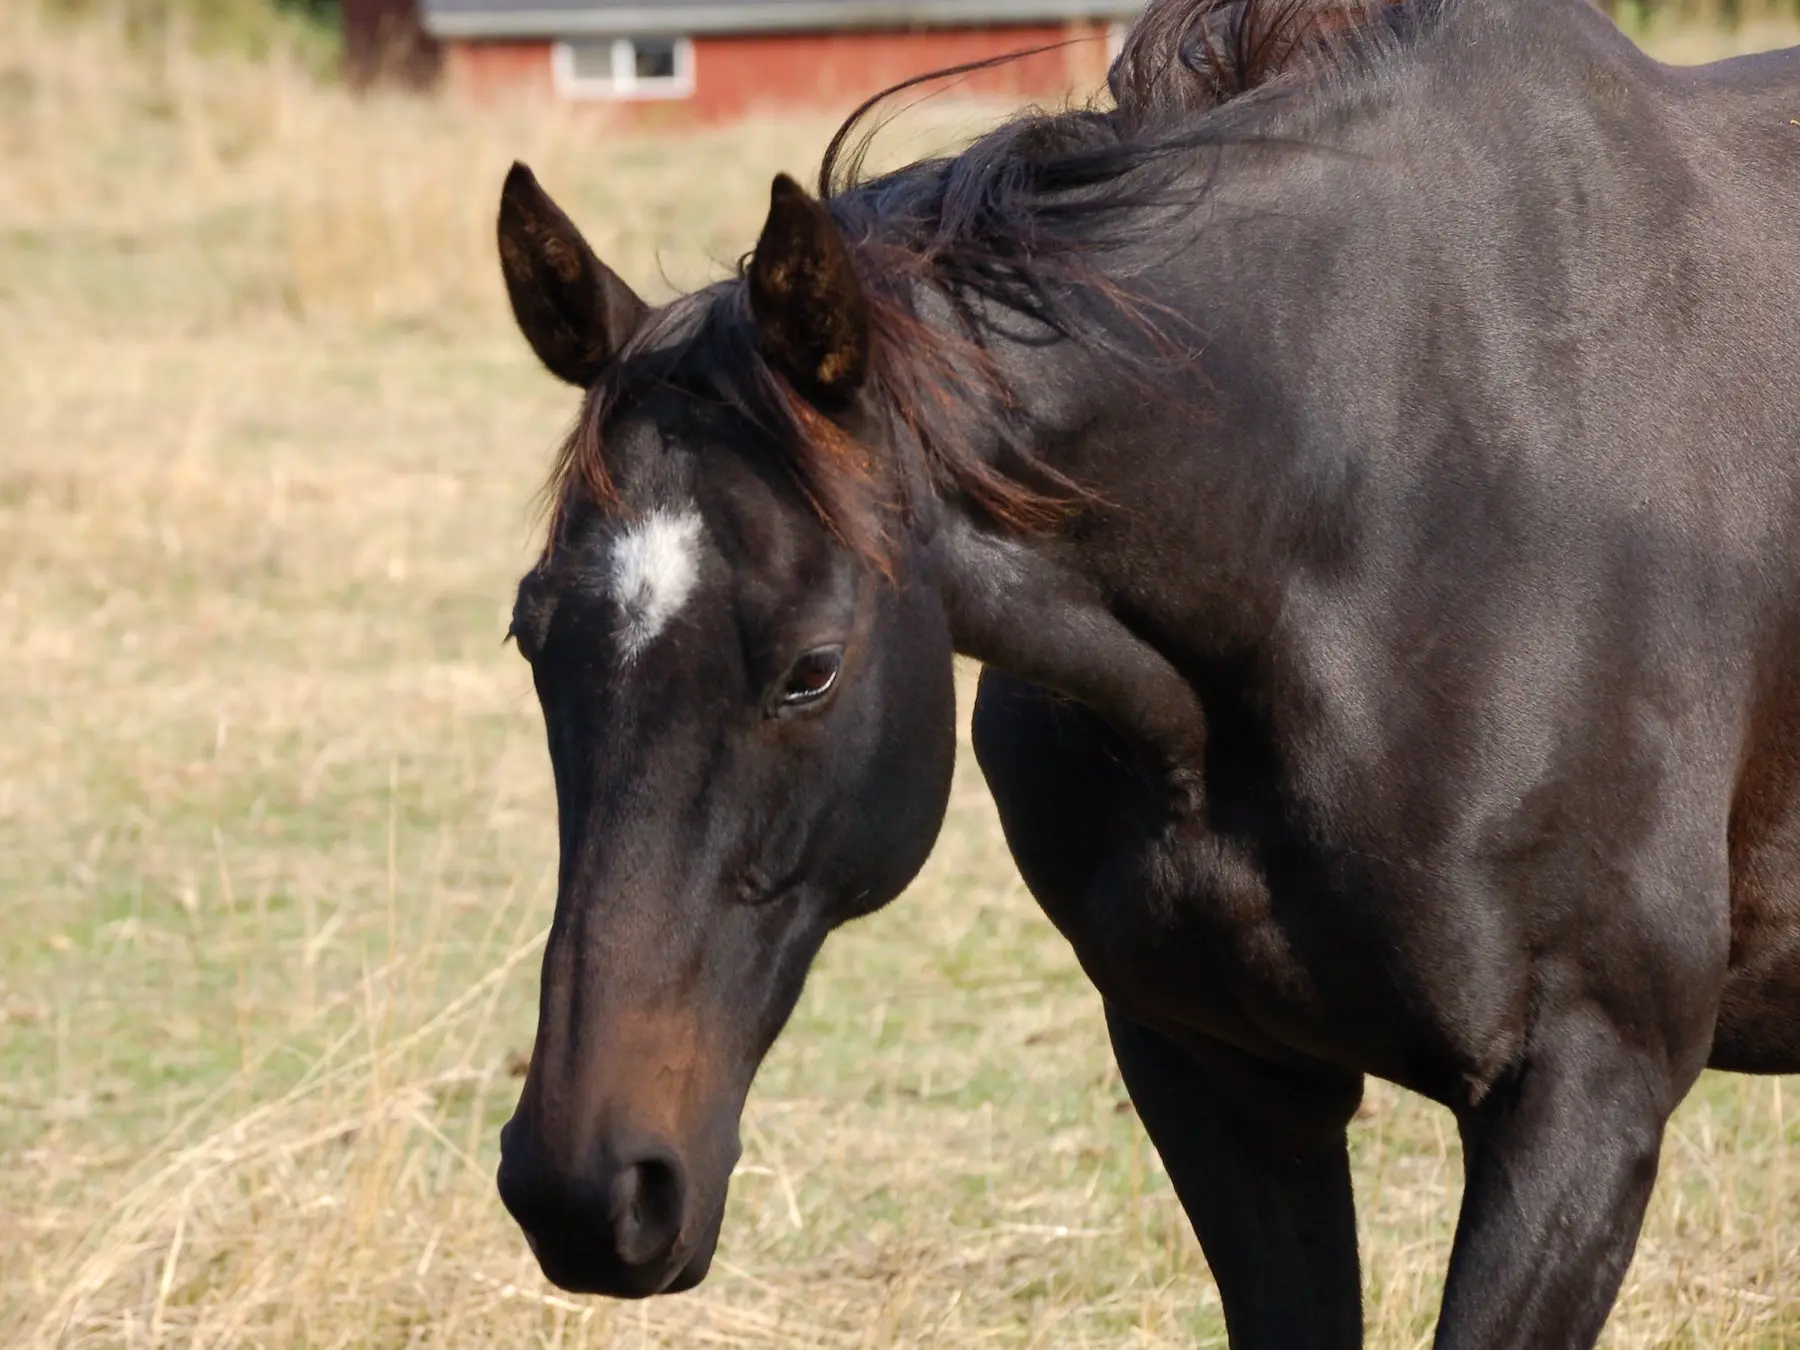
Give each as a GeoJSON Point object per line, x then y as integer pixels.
{"type": "Point", "coordinates": [570, 18]}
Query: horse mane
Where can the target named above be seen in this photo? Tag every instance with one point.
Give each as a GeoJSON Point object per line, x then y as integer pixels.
{"type": "Point", "coordinates": [1023, 218]}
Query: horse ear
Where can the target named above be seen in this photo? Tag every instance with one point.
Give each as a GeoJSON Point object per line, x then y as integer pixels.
{"type": "Point", "coordinates": [811, 312]}
{"type": "Point", "coordinates": [573, 310]}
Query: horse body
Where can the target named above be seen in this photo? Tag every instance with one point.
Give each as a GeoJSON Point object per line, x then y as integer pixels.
{"type": "Point", "coordinates": [1414, 691]}
{"type": "Point", "coordinates": [1507, 591]}
{"type": "Point", "coordinates": [1493, 624]}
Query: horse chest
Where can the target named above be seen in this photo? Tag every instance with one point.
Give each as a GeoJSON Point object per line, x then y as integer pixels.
{"type": "Point", "coordinates": [1185, 930]}
{"type": "Point", "coordinates": [1083, 829]}
{"type": "Point", "coordinates": [1182, 931]}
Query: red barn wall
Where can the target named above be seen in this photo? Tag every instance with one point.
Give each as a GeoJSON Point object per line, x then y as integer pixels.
{"type": "Point", "coordinates": [499, 70]}
{"type": "Point", "coordinates": [830, 72]}
{"type": "Point", "coordinates": [836, 71]}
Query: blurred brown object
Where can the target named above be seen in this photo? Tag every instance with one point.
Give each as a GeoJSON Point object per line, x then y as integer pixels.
{"type": "Point", "coordinates": [385, 43]}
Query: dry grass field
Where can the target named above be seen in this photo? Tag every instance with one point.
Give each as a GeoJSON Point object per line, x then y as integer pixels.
{"type": "Point", "coordinates": [276, 849]}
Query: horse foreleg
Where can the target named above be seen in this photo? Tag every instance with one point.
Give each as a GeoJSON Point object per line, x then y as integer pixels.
{"type": "Point", "coordinates": [1258, 1156]}
{"type": "Point", "coordinates": [1560, 1159]}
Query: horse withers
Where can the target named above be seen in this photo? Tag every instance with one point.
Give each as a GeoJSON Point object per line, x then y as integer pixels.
{"type": "Point", "coordinates": [1366, 458]}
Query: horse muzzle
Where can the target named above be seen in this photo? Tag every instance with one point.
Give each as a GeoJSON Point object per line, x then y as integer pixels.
{"type": "Point", "coordinates": [629, 1224]}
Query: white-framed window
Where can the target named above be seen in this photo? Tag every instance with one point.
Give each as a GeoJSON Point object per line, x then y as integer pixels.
{"type": "Point", "coordinates": [624, 68]}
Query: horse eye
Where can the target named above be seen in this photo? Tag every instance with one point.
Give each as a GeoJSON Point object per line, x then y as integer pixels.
{"type": "Point", "coordinates": [813, 677]}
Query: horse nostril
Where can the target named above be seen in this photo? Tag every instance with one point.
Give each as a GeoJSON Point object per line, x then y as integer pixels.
{"type": "Point", "coordinates": [645, 1203]}
{"type": "Point", "coordinates": [613, 1227]}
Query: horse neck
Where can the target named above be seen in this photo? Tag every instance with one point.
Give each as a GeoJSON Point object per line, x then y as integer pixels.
{"type": "Point", "coordinates": [1209, 483]}
{"type": "Point", "coordinates": [1171, 533]}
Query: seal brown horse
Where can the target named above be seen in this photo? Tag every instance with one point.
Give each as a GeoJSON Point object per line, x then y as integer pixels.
{"type": "Point", "coordinates": [1366, 457]}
